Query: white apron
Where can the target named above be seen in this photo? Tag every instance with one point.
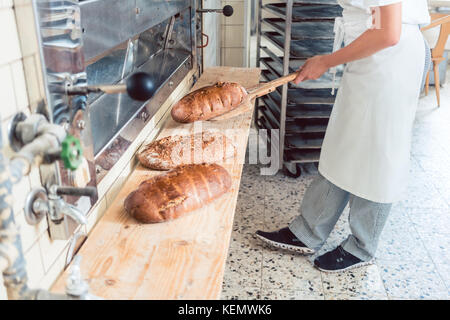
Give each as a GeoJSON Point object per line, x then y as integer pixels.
{"type": "Point", "coordinates": [366, 149]}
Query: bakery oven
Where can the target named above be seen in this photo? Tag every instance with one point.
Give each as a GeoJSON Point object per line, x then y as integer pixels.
{"type": "Point", "coordinates": [105, 42]}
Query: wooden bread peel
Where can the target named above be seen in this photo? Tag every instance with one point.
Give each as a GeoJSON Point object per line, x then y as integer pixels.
{"type": "Point", "coordinates": [260, 90]}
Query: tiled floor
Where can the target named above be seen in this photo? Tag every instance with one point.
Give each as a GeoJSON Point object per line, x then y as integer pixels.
{"type": "Point", "coordinates": [413, 257]}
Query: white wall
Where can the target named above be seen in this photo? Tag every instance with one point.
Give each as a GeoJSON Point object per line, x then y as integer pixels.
{"type": "Point", "coordinates": [233, 35]}
{"type": "Point", "coordinates": [211, 27]}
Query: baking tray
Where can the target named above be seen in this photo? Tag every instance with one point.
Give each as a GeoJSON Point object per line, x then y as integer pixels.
{"type": "Point", "coordinates": [303, 96]}
{"type": "Point", "coordinates": [305, 141]}
{"type": "Point", "coordinates": [299, 111]}
{"type": "Point", "coordinates": [302, 155]}
{"type": "Point", "coordinates": [325, 81]}
{"type": "Point", "coordinates": [301, 49]}
{"type": "Point", "coordinates": [294, 126]}
{"type": "Point", "coordinates": [308, 152]}
{"type": "Point", "coordinates": [316, 1]}
{"type": "Point", "coordinates": [303, 11]}
{"type": "Point", "coordinates": [318, 29]}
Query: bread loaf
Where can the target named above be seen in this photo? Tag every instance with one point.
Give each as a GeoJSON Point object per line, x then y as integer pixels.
{"type": "Point", "coordinates": [172, 151]}
{"type": "Point", "coordinates": [177, 192]}
{"type": "Point", "coordinates": [209, 102]}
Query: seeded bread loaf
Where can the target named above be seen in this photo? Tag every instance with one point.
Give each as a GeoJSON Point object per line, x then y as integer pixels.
{"type": "Point", "coordinates": [209, 102]}
{"type": "Point", "coordinates": [172, 151]}
{"type": "Point", "coordinates": [177, 192]}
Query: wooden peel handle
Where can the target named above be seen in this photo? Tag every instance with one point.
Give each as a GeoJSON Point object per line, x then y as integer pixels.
{"type": "Point", "coordinates": [270, 86]}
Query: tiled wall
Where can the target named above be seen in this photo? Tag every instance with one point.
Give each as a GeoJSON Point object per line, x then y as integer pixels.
{"type": "Point", "coordinates": [20, 91]}
{"type": "Point", "coordinates": [233, 28]}
{"type": "Point", "coordinates": [15, 97]}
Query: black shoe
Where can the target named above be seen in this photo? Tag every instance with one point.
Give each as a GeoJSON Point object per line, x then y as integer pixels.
{"type": "Point", "coordinates": [338, 260]}
{"type": "Point", "coordinates": [284, 239]}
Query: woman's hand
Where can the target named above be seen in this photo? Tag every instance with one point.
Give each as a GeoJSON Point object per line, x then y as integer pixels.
{"type": "Point", "coordinates": [313, 69]}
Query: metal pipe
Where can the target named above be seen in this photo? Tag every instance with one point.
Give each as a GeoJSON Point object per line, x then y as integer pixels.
{"type": "Point", "coordinates": [12, 260]}
{"type": "Point", "coordinates": [38, 136]}
{"type": "Point", "coordinates": [11, 253]}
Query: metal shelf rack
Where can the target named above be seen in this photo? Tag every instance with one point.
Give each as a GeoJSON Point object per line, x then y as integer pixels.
{"type": "Point", "coordinates": [299, 30]}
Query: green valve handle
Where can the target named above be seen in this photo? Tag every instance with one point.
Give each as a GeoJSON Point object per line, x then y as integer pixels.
{"type": "Point", "coordinates": [71, 152]}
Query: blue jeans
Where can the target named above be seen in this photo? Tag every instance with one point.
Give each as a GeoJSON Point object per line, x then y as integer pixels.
{"type": "Point", "coordinates": [321, 208]}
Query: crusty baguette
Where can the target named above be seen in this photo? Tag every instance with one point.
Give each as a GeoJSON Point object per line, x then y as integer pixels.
{"type": "Point", "coordinates": [208, 102]}
{"type": "Point", "coordinates": [172, 151]}
{"type": "Point", "coordinates": [177, 192]}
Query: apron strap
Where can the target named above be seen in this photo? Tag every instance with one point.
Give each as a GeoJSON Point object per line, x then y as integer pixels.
{"type": "Point", "coordinates": [339, 32]}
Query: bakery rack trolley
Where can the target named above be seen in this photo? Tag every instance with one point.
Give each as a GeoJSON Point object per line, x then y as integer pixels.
{"type": "Point", "coordinates": [299, 30]}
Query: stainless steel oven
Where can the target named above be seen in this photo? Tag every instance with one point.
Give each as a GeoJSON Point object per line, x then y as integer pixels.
{"type": "Point", "coordinates": [93, 42]}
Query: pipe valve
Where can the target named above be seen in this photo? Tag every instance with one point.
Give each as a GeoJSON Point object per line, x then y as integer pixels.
{"type": "Point", "coordinates": [39, 203]}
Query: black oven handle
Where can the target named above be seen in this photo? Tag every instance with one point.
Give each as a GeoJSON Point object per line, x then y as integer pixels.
{"type": "Point", "coordinates": [227, 11]}
{"type": "Point", "coordinates": [139, 86]}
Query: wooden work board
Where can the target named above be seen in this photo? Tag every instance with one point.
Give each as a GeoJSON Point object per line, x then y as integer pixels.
{"type": "Point", "coordinates": [178, 259]}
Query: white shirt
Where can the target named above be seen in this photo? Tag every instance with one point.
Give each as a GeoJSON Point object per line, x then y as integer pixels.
{"type": "Point", "coordinates": [413, 11]}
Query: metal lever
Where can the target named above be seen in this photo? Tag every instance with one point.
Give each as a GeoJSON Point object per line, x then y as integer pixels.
{"type": "Point", "coordinates": [227, 11]}
{"type": "Point", "coordinates": [78, 192]}
{"type": "Point", "coordinates": [140, 86]}
{"type": "Point", "coordinates": [38, 204]}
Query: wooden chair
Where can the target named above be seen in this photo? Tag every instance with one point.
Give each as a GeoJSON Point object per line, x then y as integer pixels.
{"type": "Point", "coordinates": [442, 20]}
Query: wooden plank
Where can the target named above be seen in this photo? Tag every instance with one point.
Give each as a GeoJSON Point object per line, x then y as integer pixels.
{"type": "Point", "coordinates": [179, 259]}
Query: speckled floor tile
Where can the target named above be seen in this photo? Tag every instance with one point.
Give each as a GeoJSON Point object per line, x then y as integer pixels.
{"type": "Point", "coordinates": [282, 204]}
{"type": "Point", "coordinates": [444, 272]}
{"type": "Point", "coordinates": [244, 262]}
{"type": "Point", "coordinates": [233, 292]}
{"type": "Point", "coordinates": [248, 219]}
{"type": "Point", "coordinates": [361, 281]}
{"type": "Point", "coordinates": [245, 239]}
{"type": "Point", "coordinates": [280, 217]}
{"type": "Point", "coordinates": [414, 280]}
{"type": "Point", "coordinates": [398, 220]}
{"type": "Point", "coordinates": [444, 190]}
{"type": "Point", "coordinates": [252, 180]}
{"type": "Point", "coordinates": [399, 240]}
{"type": "Point", "coordinates": [436, 296]}
{"type": "Point", "coordinates": [402, 247]}
{"type": "Point", "coordinates": [437, 245]}
{"type": "Point", "coordinates": [434, 165]}
{"type": "Point", "coordinates": [426, 145]}
{"type": "Point", "coordinates": [249, 199]}
{"type": "Point", "coordinates": [290, 272]}
{"type": "Point", "coordinates": [243, 270]}
{"type": "Point", "coordinates": [279, 214]}
{"type": "Point", "coordinates": [425, 196]}
{"type": "Point", "coordinates": [281, 189]}
{"type": "Point", "coordinates": [362, 296]}
{"type": "Point", "coordinates": [281, 294]}
{"type": "Point", "coordinates": [430, 220]}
